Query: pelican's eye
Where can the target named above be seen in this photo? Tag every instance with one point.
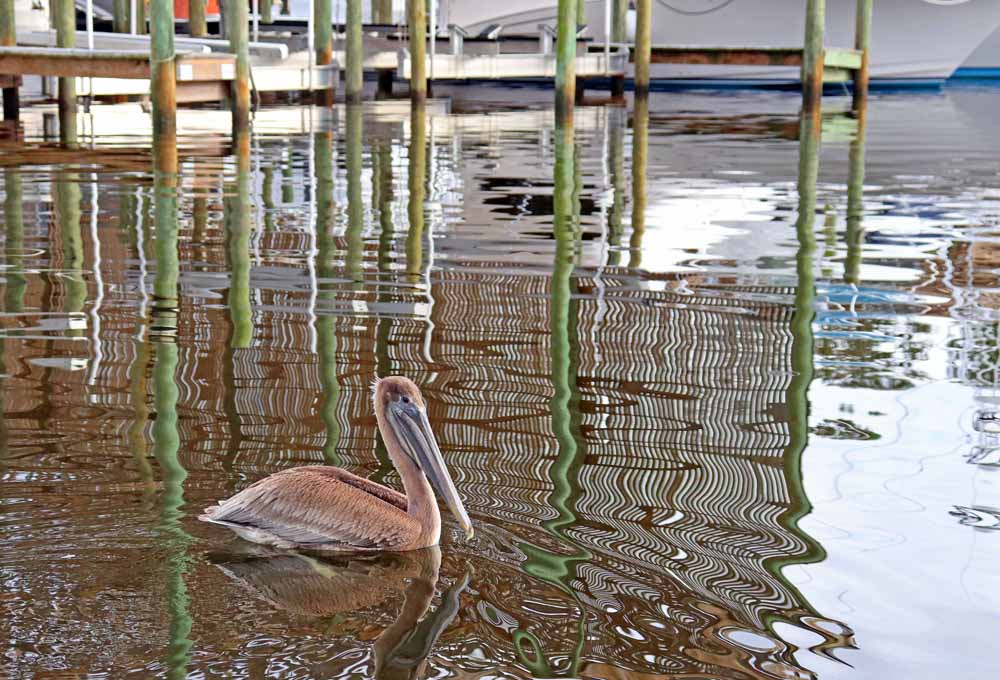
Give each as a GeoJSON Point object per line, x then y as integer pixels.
{"type": "Point", "coordinates": [406, 400]}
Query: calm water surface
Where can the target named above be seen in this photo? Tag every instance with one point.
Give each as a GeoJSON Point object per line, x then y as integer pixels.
{"type": "Point", "coordinates": [731, 421]}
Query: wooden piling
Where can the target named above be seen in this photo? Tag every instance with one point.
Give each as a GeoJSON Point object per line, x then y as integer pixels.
{"type": "Point", "coordinates": [65, 24]}
{"type": "Point", "coordinates": [121, 16]}
{"type": "Point", "coordinates": [619, 35]}
{"type": "Point", "coordinates": [165, 284]}
{"type": "Point", "coordinates": [163, 77]}
{"type": "Point", "coordinates": [813, 54]}
{"type": "Point", "coordinates": [323, 31]}
{"type": "Point", "coordinates": [640, 148]}
{"type": "Point", "coordinates": [417, 17]}
{"type": "Point", "coordinates": [239, 44]}
{"type": "Point", "coordinates": [643, 45]}
{"type": "Point", "coordinates": [382, 11]}
{"type": "Point", "coordinates": [354, 54]}
{"type": "Point", "coordinates": [8, 38]}
{"type": "Point", "coordinates": [862, 43]}
{"type": "Point", "coordinates": [267, 11]}
{"type": "Point", "coordinates": [566, 60]}
{"type": "Point", "coordinates": [197, 24]}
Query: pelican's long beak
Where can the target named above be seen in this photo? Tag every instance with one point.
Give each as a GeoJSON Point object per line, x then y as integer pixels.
{"type": "Point", "coordinates": [414, 432]}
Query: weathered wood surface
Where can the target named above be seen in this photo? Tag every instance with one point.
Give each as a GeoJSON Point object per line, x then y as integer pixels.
{"type": "Point", "coordinates": [81, 63]}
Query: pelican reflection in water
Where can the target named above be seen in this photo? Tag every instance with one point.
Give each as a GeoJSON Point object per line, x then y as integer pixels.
{"type": "Point", "coordinates": [308, 586]}
{"type": "Point", "coordinates": [327, 508]}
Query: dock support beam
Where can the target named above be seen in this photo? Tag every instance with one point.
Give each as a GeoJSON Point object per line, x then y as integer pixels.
{"type": "Point", "coordinates": [120, 16]}
{"type": "Point", "coordinates": [197, 24]}
{"type": "Point", "coordinates": [382, 11]}
{"type": "Point", "coordinates": [640, 149]}
{"type": "Point", "coordinates": [163, 83]}
{"type": "Point", "coordinates": [862, 43]}
{"type": "Point", "coordinates": [355, 53]}
{"type": "Point", "coordinates": [418, 50]}
{"type": "Point", "coordinates": [267, 12]}
{"type": "Point", "coordinates": [65, 23]}
{"type": "Point", "coordinates": [643, 45]}
{"type": "Point", "coordinates": [8, 38]}
{"type": "Point", "coordinates": [813, 54]}
{"type": "Point", "coordinates": [856, 202]}
{"type": "Point", "coordinates": [566, 60]}
{"type": "Point", "coordinates": [239, 39]}
{"type": "Point", "coordinates": [323, 37]}
{"type": "Point", "coordinates": [619, 30]}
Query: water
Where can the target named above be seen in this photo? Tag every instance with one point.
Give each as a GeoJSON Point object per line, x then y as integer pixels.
{"type": "Point", "coordinates": [728, 436]}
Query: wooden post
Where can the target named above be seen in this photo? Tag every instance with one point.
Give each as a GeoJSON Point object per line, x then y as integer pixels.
{"type": "Point", "coordinates": [581, 14]}
{"type": "Point", "coordinates": [616, 164]}
{"type": "Point", "coordinates": [355, 53]}
{"type": "Point", "coordinates": [323, 41]}
{"type": "Point", "coordinates": [163, 85]}
{"type": "Point", "coordinates": [813, 54]}
{"type": "Point", "coordinates": [323, 26]}
{"type": "Point", "coordinates": [8, 38]}
{"type": "Point", "coordinates": [354, 167]}
{"type": "Point", "coordinates": [65, 23]}
{"type": "Point", "coordinates": [267, 11]}
{"type": "Point", "coordinates": [239, 44]}
{"type": "Point", "coordinates": [619, 31]}
{"type": "Point", "coordinates": [120, 12]}
{"type": "Point", "coordinates": [640, 147]}
{"type": "Point", "coordinates": [197, 24]}
{"type": "Point", "coordinates": [566, 61]}
{"type": "Point", "coordinates": [862, 42]}
{"type": "Point", "coordinates": [643, 45]}
{"type": "Point", "coordinates": [140, 17]}
{"type": "Point", "coordinates": [418, 50]}
{"type": "Point", "coordinates": [856, 203]}
{"type": "Point", "coordinates": [382, 11]}
{"type": "Point", "coordinates": [165, 291]}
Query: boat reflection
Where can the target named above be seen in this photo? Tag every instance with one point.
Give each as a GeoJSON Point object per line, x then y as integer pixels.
{"type": "Point", "coordinates": [316, 587]}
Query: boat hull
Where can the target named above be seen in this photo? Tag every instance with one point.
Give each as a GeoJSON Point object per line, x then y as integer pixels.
{"type": "Point", "coordinates": [913, 41]}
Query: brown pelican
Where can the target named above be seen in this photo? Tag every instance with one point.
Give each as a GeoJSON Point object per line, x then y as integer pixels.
{"type": "Point", "coordinates": [326, 508]}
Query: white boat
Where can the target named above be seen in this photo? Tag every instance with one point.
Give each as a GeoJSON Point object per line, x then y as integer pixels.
{"type": "Point", "coordinates": [985, 61]}
{"type": "Point", "coordinates": [914, 42]}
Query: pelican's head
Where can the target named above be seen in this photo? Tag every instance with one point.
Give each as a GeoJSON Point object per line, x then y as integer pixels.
{"type": "Point", "coordinates": [401, 406]}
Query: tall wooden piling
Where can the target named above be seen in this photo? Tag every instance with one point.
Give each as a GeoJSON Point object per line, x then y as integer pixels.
{"type": "Point", "coordinates": [640, 147]}
{"type": "Point", "coordinates": [8, 38]}
{"type": "Point", "coordinates": [65, 24]}
{"type": "Point", "coordinates": [267, 11]}
{"type": "Point", "coordinates": [239, 44]}
{"type": "Point", "coordinates": [354, 167]}
{"type": "Point", "coordinates": [643, 45]}
{"type": "Point", "coordinates": [382, 11]}
{"type": "Point", "coordinates": [163, 85]}
{"type": "Point", "coordinates": [121, 16]}
{"type": "Point", "coordinates": [197, 24]}
{"type": "Point", "coordinates": [417, 18]}
{"type": "Point", "coordinates": [813, 54]}
{"type": "Point", "coordinates": [355, 53]}
{"type": "Point", "coordinates": [619, 35]}
{"type": "Point", "coordinates": [862, 43]}
{"type": "Point", "coordinates": [323, 31]}
{"type": "Point", "coordinates": [566, 60]}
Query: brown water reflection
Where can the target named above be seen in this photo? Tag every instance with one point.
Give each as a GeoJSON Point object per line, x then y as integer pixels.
{"type": "Point", "coordinates": [626, 434]}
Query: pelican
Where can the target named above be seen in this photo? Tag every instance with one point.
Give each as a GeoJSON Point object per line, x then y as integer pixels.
{"type": "Point", "coordinates": [326, 508]}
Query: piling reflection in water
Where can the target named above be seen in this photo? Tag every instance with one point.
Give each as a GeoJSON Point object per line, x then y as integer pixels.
{"type": "Point", "coordinates": [633, 478]}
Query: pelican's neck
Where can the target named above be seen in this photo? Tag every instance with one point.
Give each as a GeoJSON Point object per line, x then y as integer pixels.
{"type": "Point", "coordinates": [421, 503]}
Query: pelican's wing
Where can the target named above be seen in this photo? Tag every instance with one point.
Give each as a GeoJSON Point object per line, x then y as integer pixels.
{"type": "Point", "coordinates": [319, 507]}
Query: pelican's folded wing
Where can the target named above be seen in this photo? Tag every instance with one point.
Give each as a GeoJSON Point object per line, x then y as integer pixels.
{"type": "Point", "coordinates": [320, 506]}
